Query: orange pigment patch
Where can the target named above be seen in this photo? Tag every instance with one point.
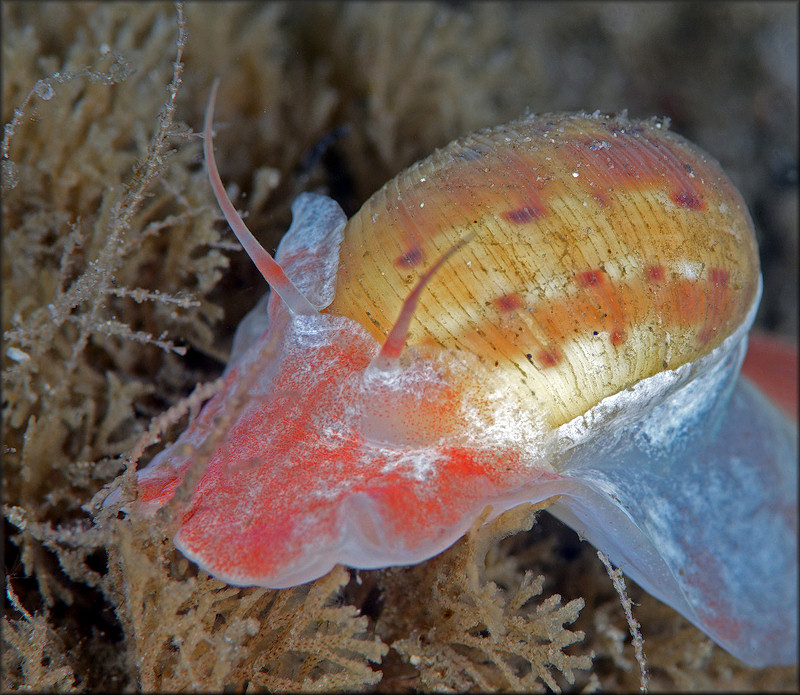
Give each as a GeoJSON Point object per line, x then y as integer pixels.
{"type": "Point", "coordinates": [690, 303]}
{"type": "Point", "coordinates": [678, 301]}
{"type": "Point", "coordinates": [425, 420]}
{"type": "Point", "coordinates": [627, 161]}
{"type": "Point", "coordinates": [590, 278]}
{"type": "Point", "coordinates": [654, 273]}
{"type": "Point", "coordinates": [530, 212]}
{"type": "Point", "coordinates": [618, 337]}
{"type": "Point", "coordinates": [413, 510]}
{"type": "Point", "coordinates": [411, 258]}
{"type": "Point", "coordinates": [609, 308]}
{"type": "Point", "coordinates": [508, 302]}
{"type": "Point", "coordinates": [549, 358]}
{"type": "Point", "coordinates": [688, 200]}
{"type": "Point", "coordinates": [612, 308]}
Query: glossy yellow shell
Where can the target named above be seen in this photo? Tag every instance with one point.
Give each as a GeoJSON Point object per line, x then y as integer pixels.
{"type": "Point", "coordinates": [605, 250]}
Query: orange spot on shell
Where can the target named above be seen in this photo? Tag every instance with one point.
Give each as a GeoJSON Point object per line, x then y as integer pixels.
{"type": "Point", "coordinates": [508, 302]}
{"type": "Point", "coordinates": [527, 213]}
{"type": "Point", "coordinates": [654, 273]}
{"type": "Point", "coordinates": [590, 278]}
{"type": "Point", "coordinates": [688, 200]}
{"type": "Point", "coordinates": [410, 259]}
{"type": "Point", "coordinates": [608, 307]}
{"type": "Point", "coordinates": [614, 307]}
{"type": "Point", "coordinates": [548, 358]}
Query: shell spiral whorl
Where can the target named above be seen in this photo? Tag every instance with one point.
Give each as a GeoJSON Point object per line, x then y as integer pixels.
{"type": "Point", "coordinates": [606, 250]}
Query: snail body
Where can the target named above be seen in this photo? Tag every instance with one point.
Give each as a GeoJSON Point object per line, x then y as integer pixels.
{"type": "Point", "coordinates": [553, 309]}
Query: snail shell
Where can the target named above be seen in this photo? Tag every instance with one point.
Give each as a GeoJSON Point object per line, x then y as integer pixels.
{"type": "Point", "coordinates": [605, 251]}
{"type": "Point", "coordinates": [573, 293]}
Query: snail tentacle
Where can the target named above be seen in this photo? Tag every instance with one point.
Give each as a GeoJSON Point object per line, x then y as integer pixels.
{"type": "Point", "coordinates": [395, 342]}
{"type": "Point", "coordinates": [273, 273]}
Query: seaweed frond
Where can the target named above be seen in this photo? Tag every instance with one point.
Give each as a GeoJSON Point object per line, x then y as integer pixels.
{"type": "Point", "coordinates": [409, 91]}
{"type": "Point", "coordinates": [92, 203]}
{"type": "Point", "coordinates": [190, 631]}
{"type": "Point", "coordinates": [470, 633]}
{"type": "Point", "coordinates": [34, 657]}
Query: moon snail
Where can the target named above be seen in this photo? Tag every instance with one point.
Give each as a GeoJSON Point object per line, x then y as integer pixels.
{"type": "Point", "coordinates": [553, 309]}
